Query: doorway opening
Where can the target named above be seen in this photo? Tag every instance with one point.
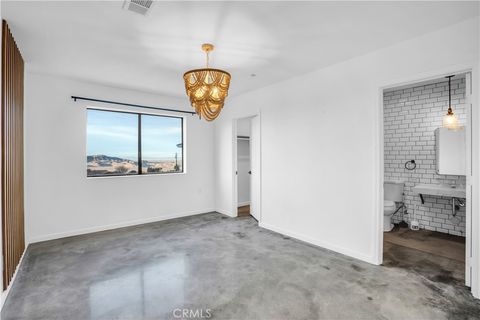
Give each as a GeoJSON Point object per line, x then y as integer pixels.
{"type": "Point", "coordinates": [247, 167]}
{"type": "Point", "coordinates": [243, 168]}
{"type": "Point", "coordinates": [427, 179]}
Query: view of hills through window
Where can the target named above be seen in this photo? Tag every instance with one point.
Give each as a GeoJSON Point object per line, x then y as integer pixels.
{"type": "Point", "coordinates": [116, 146]}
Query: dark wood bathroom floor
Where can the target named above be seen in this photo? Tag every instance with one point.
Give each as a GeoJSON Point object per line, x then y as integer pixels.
{"type": "Point", "coordinates": [243, 211]}
{"type": "Point", "coordinates": [436, 243]}
{"type": "Point", "coordinates": [437, 256]}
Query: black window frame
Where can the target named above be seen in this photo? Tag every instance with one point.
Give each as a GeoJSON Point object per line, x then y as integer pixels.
{"type": "Point", "coordinates": [139, 147]}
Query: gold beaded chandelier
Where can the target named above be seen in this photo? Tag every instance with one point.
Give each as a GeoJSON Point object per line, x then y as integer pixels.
{"type": "Point", "coordinates": [207, 88]}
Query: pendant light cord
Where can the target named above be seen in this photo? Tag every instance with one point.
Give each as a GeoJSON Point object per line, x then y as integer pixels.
{"type": "Point", "coordinates": [449, 92]}
{"type": "Point", "coordinates": [449, 95]}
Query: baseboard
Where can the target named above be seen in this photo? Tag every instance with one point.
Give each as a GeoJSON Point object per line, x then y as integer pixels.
{"type": "Point", "coordinates": [77, 232]}
{"type": "Point", "coordinates": [225, 212]}
{"type": "Point", "coordinates": [318, 243]}
{"type": "Point", "coordinates": [5, 293]}
{"type": "Point", "coordinates": [475, 293]}
{"type": "Point", "coordinates": [246, 203]}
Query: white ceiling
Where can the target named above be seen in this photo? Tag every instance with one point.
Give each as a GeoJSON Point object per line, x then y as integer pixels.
{"type": "Point", "coordinates": [101, 42]}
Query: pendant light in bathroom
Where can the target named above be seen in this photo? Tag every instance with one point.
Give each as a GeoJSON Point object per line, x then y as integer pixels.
{"type": "Point", "coordinates": [450, 120]}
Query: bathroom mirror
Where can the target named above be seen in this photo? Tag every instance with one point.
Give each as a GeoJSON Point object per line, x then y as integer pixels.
{"type": "Point", "coordinates": [450, 149]}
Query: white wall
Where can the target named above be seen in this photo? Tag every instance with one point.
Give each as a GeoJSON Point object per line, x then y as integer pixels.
{"type": "Point", "coordinates": [60, 200]}
{"type": "Point", "coordinates": [321, 140]}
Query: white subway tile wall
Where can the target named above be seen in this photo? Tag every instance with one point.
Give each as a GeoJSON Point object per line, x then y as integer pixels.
{"type": "Point", "coordinates": [410, 117]}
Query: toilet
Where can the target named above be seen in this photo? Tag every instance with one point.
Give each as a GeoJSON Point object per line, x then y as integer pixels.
{"type": "Point", "coordinates": [393, 194]}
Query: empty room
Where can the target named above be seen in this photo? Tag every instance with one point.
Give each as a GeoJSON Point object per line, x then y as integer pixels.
{"type": "Point", "coordinates": [240, 160]}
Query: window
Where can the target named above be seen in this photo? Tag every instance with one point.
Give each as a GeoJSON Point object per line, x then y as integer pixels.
{"type": "Point", "coordinates": [126, 143]}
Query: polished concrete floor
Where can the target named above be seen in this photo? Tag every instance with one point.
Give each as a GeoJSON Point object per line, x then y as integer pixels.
{"type": "Point", "coordinates": [224, 267]}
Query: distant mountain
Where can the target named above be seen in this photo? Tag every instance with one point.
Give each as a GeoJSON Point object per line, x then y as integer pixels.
{"type": "Point", "coordinates": [102, 157]}
{"type": "Point", "coordinates": [100, 165]}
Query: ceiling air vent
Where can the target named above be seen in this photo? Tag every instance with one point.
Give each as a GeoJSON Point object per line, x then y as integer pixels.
{"type": "Point", "coordinates": [138, 6]}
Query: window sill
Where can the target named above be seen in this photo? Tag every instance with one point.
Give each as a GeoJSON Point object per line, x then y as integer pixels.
{"type": "Point", "coordinates": [138, 175]}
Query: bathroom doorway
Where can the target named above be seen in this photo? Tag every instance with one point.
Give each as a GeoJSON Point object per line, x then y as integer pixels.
{"type": "Point", "coordinates": [427, 178]}
{"type": "Point", "coordinates": [247, 167]}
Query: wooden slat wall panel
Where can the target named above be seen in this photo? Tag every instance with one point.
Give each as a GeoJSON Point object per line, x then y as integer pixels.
{"type": "Point", "coordinates": [13, 234]}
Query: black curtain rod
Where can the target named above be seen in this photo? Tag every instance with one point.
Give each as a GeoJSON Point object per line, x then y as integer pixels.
{"type": "Point", "coordinates": [75, 98]}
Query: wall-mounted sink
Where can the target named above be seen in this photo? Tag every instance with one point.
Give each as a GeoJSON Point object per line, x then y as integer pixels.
{"type": "Point", "coordinates": [441, 190]}
{"type": "Point", "coordinates": [456, 192]}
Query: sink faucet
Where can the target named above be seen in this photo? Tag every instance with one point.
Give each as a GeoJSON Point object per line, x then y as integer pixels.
{"type": "Point", "coordinates": [460, 202]}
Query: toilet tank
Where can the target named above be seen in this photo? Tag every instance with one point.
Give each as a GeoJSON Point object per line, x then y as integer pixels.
{"type": "Point", "coordinates": [393, 191]}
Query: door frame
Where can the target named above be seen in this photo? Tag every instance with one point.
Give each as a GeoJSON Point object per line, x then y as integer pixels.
{"type": "Point", "coordinates": [472, 229]}
{"type": "Point", "coordinates": [235, 164]}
